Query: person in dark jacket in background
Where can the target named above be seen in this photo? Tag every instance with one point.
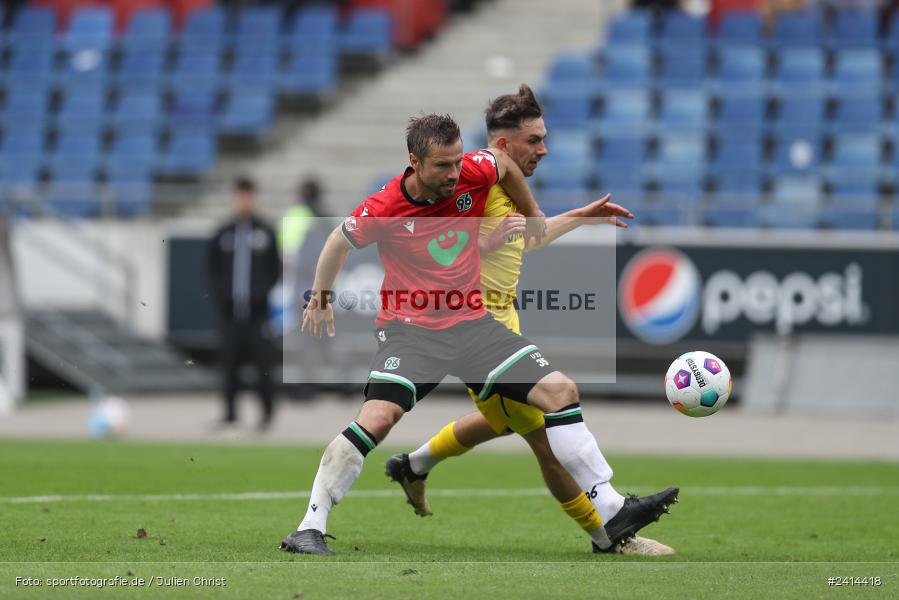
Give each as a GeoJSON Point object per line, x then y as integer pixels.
{"type": "Point", "coordinates": [244, 267]}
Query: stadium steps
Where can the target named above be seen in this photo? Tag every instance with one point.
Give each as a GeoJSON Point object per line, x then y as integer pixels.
{"type": "Point", "coordinates": [88, 349]}
{"type": "Point", "coordinates": [358, 140]}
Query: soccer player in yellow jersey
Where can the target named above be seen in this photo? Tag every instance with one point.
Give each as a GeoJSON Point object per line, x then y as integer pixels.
{"type": "Point", "coordinates": [514, 125]}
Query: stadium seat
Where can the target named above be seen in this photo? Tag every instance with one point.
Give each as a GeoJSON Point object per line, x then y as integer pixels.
{"type": "Point", "coordinates": [132, 156]}
{"type": "Point", "coordinates": [194, 111]}
{"type": "Point", "coordinates": [24, 105]}
{"type": "Point", "coordinates": [853, 28]}
{"type": "Point", "coordinates": [567, 167]}
{"type": "Point", "coordinates": [83, 111]}
{"type": "Point", "coordinates": [740, 115]}
{"type": "Point", "coordinates": [568, 107]}
{"type": "Point", "coordinates": [141, 68]}
{"type": "Point", "coordinates": [737, 152]}
{"type": "Point", "coordinates": [620, 153]}
{"type": "Point", "coordinates": [735, 183]}
{"type": "Point", "coordinates": [149, 30]}
{"type": "Point", "coordinates": [21, 159]}
{"type": "Point", "coordinates": [190, 154]}
{"type": "Point", "coordinates": [683, 110]}
{"type": "Point", "coordinates": [30, 67]}
{"type": "Point", "coordinates": [625, 181]}
{"type": "Point", "coordinates": [205, 28]}
{"type": "Point", "coordinates": [894, 218]}
{"type": "Point", "coordinates": [797, 28]}
{"type": "Point", "coordinates": [741, 68]}
{"type": "Point", "coordinates": [796, 190]}
{"type": "Point", "coordinates": [730, 215]}
{"type": "Point", "coordinates": [90, 29]}
{"type": "Point", "coordinates": [632, 27]}
{"type": "Point", "coordinates": [74, 198]}
{"type": "Point", "coordinates": [76, 152]}
{"type": "Point", "coordinates": [555, 203]}
{"type": "Point", "coordinates": [681, 32]}
{"type": "Point", "coordinates": [796, 154]}
{"type": "Point", "coordinates": [740, 28]}
{"type": "Point", "coordinates": [663, 213]}
{"type": "Point", "coordinates": [570, 67]}
{"type": "Point", "coordinates": [799, 117]}
{"type": "Point", "coordinates": [257, 27]}
{"type": "Point", "coordinates": [624, 113]}
{"type": "Point", "coordinates": [679, 167]}
{"type": "Point", "coordinates": [137, 112]}
{"type": "Point", "coordinates": [196, 70]}
{"type": "Point", "coordinates": [799, 72]}
{"type": "Point", "coordinates": [247, 112]}
{"type": "Point", "coordinates": [858, 70]}
{"type": "Point", "coordinates": [368, 32]}
{"type": "Point", "coordinates": [847, 219]}
{"type": "Point", "coordinates": [87, 68]}
{"type": "Point", "coordinates": [254, 70]}
{"type": "Point", "coordinates": [857, 114]}
{"type": "Point", "coordinates": [683, 70]}
{"type": "Point", "coordinates": [313, 31]}
{"type": "Point", "coordinates": [856, 193]}
{"type": "Point", "coordinates": [625, 67]}
{"type": "Point", "coordinates": [310, 75]}
{"type": "Point", "coordinates": [32, 23]}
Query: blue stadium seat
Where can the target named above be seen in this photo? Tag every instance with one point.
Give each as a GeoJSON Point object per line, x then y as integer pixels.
{"type": "Point", "coordinates": [90, 29]}
{"type": "Point", "coordinates": [849, 219]}
{"type": "Point", "coordinates": [625, 182]}
{"type": "Point", "coordinates": [730, 215]}
{"type": "Point", "coordinates": [568, 107]}
{"type": "Point", "coordinates": [31, 67]}
{"type": "Point", "coordinates": [858, 70]}
{"type": "Point", "coordinates": [194, 111]}
{"type": "Point", "coordinates": [247, 112]}
{"type": "Point", "coordinates": [741, 115]}
{"type": "Point", "coordinates": [741, 28]}
{"type": "Point", "coordinates": [632, 27]}
{"type": "Point", "coordinates": [741, 68]}
{"type": "Point", "coordinates": [132, 156]}
{"type": "Point", "coordinates": [735, 183]}
{"type": "Point", "coordinates": [853, 28]}
{"type": "Point", "coordinates": [86, 68]}
{"type": "Point", "coordinates": [857, 114]}
{"type": "Point", "coordinates": [312, 32]}
{"type": "Point", "coordinates": [567, 167]}
{"type": "Point", "coordinates": [626, 67]}
{"type": "Point", "coordinates": [894, 218]}
{"type": "Point", "coordinates": [566, 68]}
{"type": "Point", "coordinates": [190, 154]}
{"type": "Point", "coordinates": [788, 216]}
{"type": "Point", "coordinates": [83, 111]}
{"type": "Point", "coordinates": [797, 28]}
{"type": "Point", "coordinates": [141, 68]}
{"type": "Point", "coordinates": [856, 159]}
{"type": "Point", "coordinates": [25, 105]}
{"type": "Point", "coordinates": [855, 194]}
{"type": "Point", "coordinates": [254, 70]}
{"type": "Point", "coordinates": [624, 113]}
{"type": "Point", "coordinates": [137, 112]}
{"type": "Point", "coordinates": [368, 32]}
{"type": "Point", "coordinates": [130, 196]}
{"type": "Point", "coordinates": [205, 28]}
{"type": "Point", "coordinates": [681, 32]}
{"type": "Point", "coordinates": [799, 72]}
{"type": "Point", "coordinates": [258, 27]}
{"type": "Point", "coordinates": [663, 214]}
{"type": "Point", "coordinates": [75, 198]}
{"type": "Point", "coordinates": [620, 153]}
{"type": "Point", "coordinates": [75, 151]}
{"type": "Point", "coordinates": [682, 70]}
{"type": "Point", "coordinates": [799, 117]}
{"type": "Point", "coordinates": [310, 75]}
{"type": "Point", "coordinates": [796, 155]}
{"type": "Point", "coordinates": [21, 159]}
{"type": "Point", "coordinates": [32, 23]}
{"type": "Point", "coordinates": [679, 167]}
{"type": "Point", "coordinates": [796, 190]}
{"type": "Point", "coordinates": [197, 70]}
{"type": "Point", "coordinates": [683, 110]}
{"type": "Point", "coordinates": [557, 202]}
{"type": "Point", "coordinates": [737, 152]}
{"type": "Point", "coordinates": [149, 30]}
{"type": "Point", "coordinates": [891, 38]}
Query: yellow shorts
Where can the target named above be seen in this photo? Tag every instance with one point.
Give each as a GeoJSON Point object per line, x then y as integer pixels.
{"type": "Point", "coordinates": [503, 413]}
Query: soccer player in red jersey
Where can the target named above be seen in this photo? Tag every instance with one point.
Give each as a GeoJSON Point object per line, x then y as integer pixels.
{"type": "Point", "coordinates": [433, 323]}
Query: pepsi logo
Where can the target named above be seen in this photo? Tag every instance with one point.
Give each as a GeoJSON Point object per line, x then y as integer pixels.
{"type": "Point", "coordinates": [659, 295]}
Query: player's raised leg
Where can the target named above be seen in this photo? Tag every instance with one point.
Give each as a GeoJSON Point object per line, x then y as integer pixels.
{"type": "Point", "coordinates": [577, 450]}
{"type": "Point", "coordinates": [339, 468]}
{"type": "Point", "coordinates": [454, 439]}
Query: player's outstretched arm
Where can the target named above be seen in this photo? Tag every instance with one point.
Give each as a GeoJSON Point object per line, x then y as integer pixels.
{"type": "Point", "coordinates": [559, 225]}
{"type": "Point", "coordinates": [319, 311]}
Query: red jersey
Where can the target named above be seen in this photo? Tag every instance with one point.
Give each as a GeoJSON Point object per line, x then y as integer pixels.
{"type": "Point", "coordinates": [432, 265]}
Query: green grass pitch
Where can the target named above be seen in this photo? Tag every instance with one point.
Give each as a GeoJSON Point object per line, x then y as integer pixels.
{"type": "Point", "coordinates": [743, 528]}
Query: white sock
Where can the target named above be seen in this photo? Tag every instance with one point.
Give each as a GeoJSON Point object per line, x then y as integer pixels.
{"type": "Point", "coordinates": [340, 467]}
{"type": "Point", "coordinates": [577, 450]}
{"type": "Point", "coordinates": [422, 461]}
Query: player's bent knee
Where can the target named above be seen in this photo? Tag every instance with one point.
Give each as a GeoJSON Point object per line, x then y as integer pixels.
{"type": "Point", "coordinates": [379, 417]}
{"type": "Point", "coordinates": [554, 392]}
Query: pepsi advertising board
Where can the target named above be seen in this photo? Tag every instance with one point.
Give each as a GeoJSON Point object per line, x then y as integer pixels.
{"type": "Point", "coordinates": [671, 294]}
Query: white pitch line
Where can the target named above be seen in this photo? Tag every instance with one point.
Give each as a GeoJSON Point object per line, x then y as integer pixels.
{"type": "Point", "coordinates": [488, 492]}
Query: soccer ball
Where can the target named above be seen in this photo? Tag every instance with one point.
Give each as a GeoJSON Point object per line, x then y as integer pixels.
{"type": "Point", "coordinates": [698, 384]}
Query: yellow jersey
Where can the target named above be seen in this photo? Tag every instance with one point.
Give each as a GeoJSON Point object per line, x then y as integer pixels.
{"type": "Point", "coordinates": [501, 269]}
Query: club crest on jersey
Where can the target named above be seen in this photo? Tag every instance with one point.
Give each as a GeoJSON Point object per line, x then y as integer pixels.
{"type": "Point", "coordinates": [392, 363]}
{"type": "Point", "coordinates": [463, 202]}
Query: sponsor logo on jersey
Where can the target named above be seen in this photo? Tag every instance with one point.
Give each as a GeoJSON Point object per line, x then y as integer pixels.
{"type": "Point", "coordinates": [448, 255]}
